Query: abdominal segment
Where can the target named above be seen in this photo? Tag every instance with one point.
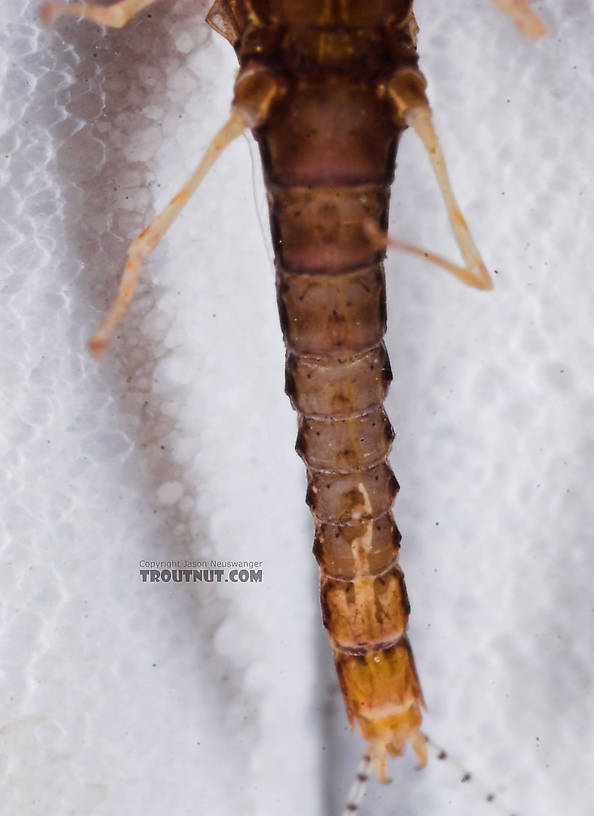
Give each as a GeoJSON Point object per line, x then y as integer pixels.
{"type": "Point", "coordinates": [328, 150]}
{"type": "Point", "coordinates": [332, 305]}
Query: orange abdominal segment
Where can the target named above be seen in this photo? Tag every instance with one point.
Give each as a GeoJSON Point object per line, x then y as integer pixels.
{"type": "Point", "coordinates": [384, 696]}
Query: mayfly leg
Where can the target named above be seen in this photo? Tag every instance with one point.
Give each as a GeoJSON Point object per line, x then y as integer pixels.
{"type": "Point", "coordinates": [115, 16]}
{"type": "Point", "coordinates": [254, 93]}
{"type": "Point", "coordinates": [520, 12]}
{"type": "Point", "coordinates": [382, 241]}
{"type": "Point", "coordinates": [144, 244]}
{"type": "Point", "coordinates": [406, 90]}
{"type": "Point", "coordinates": [253, 97]}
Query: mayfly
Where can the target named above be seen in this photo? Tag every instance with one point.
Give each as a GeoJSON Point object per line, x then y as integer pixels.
{"type": "Point", "coordinates": [327, 87]}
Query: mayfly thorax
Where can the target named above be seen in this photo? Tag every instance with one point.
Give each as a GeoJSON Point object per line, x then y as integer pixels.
{"type": "Point", "coordinates": [327, 88]}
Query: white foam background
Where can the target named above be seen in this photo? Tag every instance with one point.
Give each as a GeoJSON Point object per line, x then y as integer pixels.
{"type": "Point", "coordinates": [123, 698]}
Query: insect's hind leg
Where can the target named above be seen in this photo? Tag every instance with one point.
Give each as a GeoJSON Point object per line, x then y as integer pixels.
{"type": "Point", "coordinates": [115, 16]}
{"type": "Point", "coordinates": [406, 90]}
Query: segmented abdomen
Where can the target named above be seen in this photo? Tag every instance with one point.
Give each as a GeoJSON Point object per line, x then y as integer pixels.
{"type": "Point", "coordinates": [328, 152]}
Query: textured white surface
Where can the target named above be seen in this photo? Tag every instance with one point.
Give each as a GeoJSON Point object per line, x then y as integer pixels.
{"type": "Point", "coordinates": [124, 698]}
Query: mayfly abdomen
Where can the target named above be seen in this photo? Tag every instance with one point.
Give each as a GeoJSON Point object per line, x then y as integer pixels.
{"type": "Point", "coordinates": [328, 149]}
{"type": "Point", "coordinates": [327, 87]}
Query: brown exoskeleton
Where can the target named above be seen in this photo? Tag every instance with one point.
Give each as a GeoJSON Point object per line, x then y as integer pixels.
{"type": "Point", "coordinates": [327, 87]}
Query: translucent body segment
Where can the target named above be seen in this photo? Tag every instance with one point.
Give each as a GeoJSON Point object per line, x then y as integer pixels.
{"type": "Point", "coordinates": [338, 388]}
{"type": "Point", "coordinates": [347, 444]}
{"type": "Point", "coordinates": [379, 679]}
{"type": "Point", "coordinates": [320, 229]}
{"type": "Point", "coordinates": [365, 613]}
{"type": "Point", "coordinates": [323, 313]}
{"type": "Point", "coordinates": [383, 694]}
{"type": "Point", "coordinates": [334, 546]}
{"type": "Point", "coordinates": [329, 133]}
{"type": "Point", "coordinates": [353, 497]}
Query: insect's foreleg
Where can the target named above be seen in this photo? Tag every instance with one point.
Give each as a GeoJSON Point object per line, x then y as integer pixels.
{"type": "Point", "coordinates": [406, 90]}
{"type": "Point", "coordinates": [523, 16]}
{"type": "Point", "coordinates": [115, 16]}
{"type": "Point", "coordinates": [254, 93]}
